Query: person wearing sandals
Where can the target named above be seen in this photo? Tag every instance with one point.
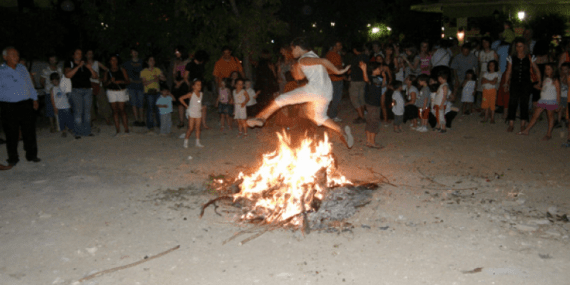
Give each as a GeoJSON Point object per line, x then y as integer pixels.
{"type": "Point", "coordinates": [372, 75]}
{"type": "Point", "coordinates": [518, 73]}
{"type": "Point", "coordinates": [317, 93]}
{"type": "Point", "coordinates": [549, 101]}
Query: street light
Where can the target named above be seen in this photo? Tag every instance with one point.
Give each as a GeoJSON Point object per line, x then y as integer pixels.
{"type": "Point", "coordinates": [521, 15]}
{"type": "Point", "coordinates": [375, 30]}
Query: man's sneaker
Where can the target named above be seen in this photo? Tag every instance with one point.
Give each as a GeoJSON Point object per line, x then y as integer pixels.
{"type": "Point", "coordinates": [185, 145]}
{"type": "Point", "coordinates": [422, 129]}
{"type": "Point", "coordinates": [348, 137]}
{"type": "Point", "coordinates": [255, 122]}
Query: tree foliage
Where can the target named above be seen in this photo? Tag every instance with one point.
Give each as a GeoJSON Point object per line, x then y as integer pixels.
{"type": "Point", "coordinates": [548, 25]}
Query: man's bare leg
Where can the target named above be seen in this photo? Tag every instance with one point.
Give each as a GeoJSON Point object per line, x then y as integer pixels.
{"type": "Point", "coordinates": [345, 136]}
{"type": "Point", "coordinates": [260, 119]}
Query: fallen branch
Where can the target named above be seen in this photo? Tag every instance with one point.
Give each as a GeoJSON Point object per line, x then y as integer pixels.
{"type": "Point", "coordinates": [212, 202]}
{"type": "Point", "coordinates": [128, 265]}
{"type": "Point", "coordinates": [384, 180]}
{"type": "Point", "coordinates": [429, 178]}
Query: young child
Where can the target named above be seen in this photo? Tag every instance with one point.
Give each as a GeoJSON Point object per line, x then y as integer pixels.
{"type": "Point", "coordinates": [223, 103]}
{"type": "Point", "coordinates": [398, 105]}
{"type": "Point", "coordinates": [194, 111]}
{"type": "Point", "coordinates": [372, 98]}
{"type": "Point", "coordinates": [164, 104]}
{"type": "Point", "coordinates": [489, 82]}
{"type": "Point", "coordinates": [468, 92]}
{"type": "Point", "coordinates": [317, 93]}
{"type": "Point", "coordinates": [250, 106]}
{"type": "Point", "coordinates": [422, 102]}
{"type": "Point", "coordinates": [549, 101]}
{"type": "Point", "coordinates": [241, 97]}
{"type": "Point", "coordinates": [439, 102]}
{"type": "Point", "coordinates": [61, 106]}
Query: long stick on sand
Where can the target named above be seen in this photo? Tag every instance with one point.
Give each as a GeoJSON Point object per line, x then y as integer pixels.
{"type": "Point", "coordinates": [128, 265]}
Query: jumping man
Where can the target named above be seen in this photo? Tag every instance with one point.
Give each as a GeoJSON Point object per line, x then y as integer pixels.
{"type": "Point", "coordinates": [317, 93]}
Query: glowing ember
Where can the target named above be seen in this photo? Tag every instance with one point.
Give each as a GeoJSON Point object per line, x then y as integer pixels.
{"type": "Point", "coordinates": [290, 182]}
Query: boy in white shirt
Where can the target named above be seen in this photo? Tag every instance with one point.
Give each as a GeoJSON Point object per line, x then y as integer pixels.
{"type": "Point", "coordinates": [61, 106]}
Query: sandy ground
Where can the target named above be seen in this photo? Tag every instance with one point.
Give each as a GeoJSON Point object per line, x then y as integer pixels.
{"type": "Point", "coordinates": [465, 207]}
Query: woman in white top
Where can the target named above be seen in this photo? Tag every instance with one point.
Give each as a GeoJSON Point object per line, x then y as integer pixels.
{"type": "Point", "coordinates": [103, 108]}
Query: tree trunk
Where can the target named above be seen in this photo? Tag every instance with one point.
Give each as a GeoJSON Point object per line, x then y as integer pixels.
{"type": "Point", "coordinates": [245, 48]}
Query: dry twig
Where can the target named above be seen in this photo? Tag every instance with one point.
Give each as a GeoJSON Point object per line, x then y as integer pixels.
{"type": "Point", "coordinates": [128, 265]}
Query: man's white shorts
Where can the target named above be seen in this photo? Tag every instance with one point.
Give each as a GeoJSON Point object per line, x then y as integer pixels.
{"type": "Point", "coordinates": [318, 103]}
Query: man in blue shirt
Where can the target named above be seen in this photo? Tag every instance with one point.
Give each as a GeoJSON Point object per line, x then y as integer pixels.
{"type": "Point", "coordinates": [18, 102]}
{"type": "Point", "coordinates": [135, 87]}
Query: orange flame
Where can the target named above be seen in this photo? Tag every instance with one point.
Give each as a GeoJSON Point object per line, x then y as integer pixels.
{"type": "Point", "coordinates": [287, 183]}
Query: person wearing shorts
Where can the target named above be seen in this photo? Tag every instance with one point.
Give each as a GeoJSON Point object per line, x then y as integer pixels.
{"type": "Point", "coordinates": [317, 93]}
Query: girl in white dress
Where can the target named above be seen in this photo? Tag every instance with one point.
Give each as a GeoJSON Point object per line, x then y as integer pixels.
{"type": "Point", "coordinates": [549, 101]}
{"type": "Point", "coordinates": [193, 112]}
{"type": "Point", "coordinates": [240, 100]}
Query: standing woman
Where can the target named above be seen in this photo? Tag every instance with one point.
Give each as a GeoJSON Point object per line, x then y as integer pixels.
{"type": "Point", "coordinates": [519, 65]}
{"type": "Point", "coordinates": [179, 85]}
{"type": "Point", "coordinates": [116, 80]}
{"type": "Point", "coordinates": [151, 77]}
{"type": "Point", "coordinates": [80, 72]}
{"type": "Point", "coordinates": [425, 58]}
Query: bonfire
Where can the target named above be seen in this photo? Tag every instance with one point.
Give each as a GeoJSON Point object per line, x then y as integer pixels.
{"type": "Point", "coordinates": [290, 183]}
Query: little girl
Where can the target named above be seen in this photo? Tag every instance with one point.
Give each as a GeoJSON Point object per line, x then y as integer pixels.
{"type": "Point", "coordinates": [439, 102]}
{"type": "Point", "coordinates": [549, 100]}
{"type": "Point", "coordinates": [422, 102]}
{"type": "Point", "coordinates": [468, 92]}
{"type": "Point", "coordinates": [223, 103]}
{"type": "Point", "coordinates": [398, 105]}
{"type": "Point", "coordinates": [410, 108]}
{"type": "Point", "coordinates": [240, 100]}
{"type": "Point", "coordinates": [489, 82]}
{"type": "Point", "coordinates": [193, 112]}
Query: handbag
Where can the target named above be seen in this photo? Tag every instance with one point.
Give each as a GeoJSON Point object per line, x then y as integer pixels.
{"type": "Point", "coordinates": [533, 76]}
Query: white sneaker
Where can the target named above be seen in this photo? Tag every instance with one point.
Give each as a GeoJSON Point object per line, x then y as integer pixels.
{"type": "Point", "coordinates": [337, 119]}
{"type": "Point", "coordinates": [422, 129]}
{"type": "Point", "coordinates": [348, 137]}
{"type": "Point", "coordinates": [185, 143]}
{"type": "Point", "coordinates": [182, 135]}
{"type": "Point", "coordinates": [198, 144]}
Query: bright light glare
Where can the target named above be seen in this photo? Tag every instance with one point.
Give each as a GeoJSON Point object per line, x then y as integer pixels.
{"type": "Point", "coordinates": [442, 29]}
{"type": "Point", "coordinates": [389, 29]}
{"type": "Point", "coordinates": [332, 24]}
{"type": "Point", "coordinates": [369, 25]}
{"type": "Point", "coordinates": [521, 15]}
{"type": "Point", "coordinates": [375, 30]}
{"type": "Point", "coordinates": [314, 25]}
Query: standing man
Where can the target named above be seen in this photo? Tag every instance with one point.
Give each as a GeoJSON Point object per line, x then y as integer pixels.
{"type": "Point", "coordinates": [135, 89]}
{"type": "Point", "coordinates": [357, 84]}
{"type": "Point", "coordinates": [226, 65]}
{"type": "Point", "coordinates": [337, 80]}
{"type": "Point", "coordinates": [18, 103]}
